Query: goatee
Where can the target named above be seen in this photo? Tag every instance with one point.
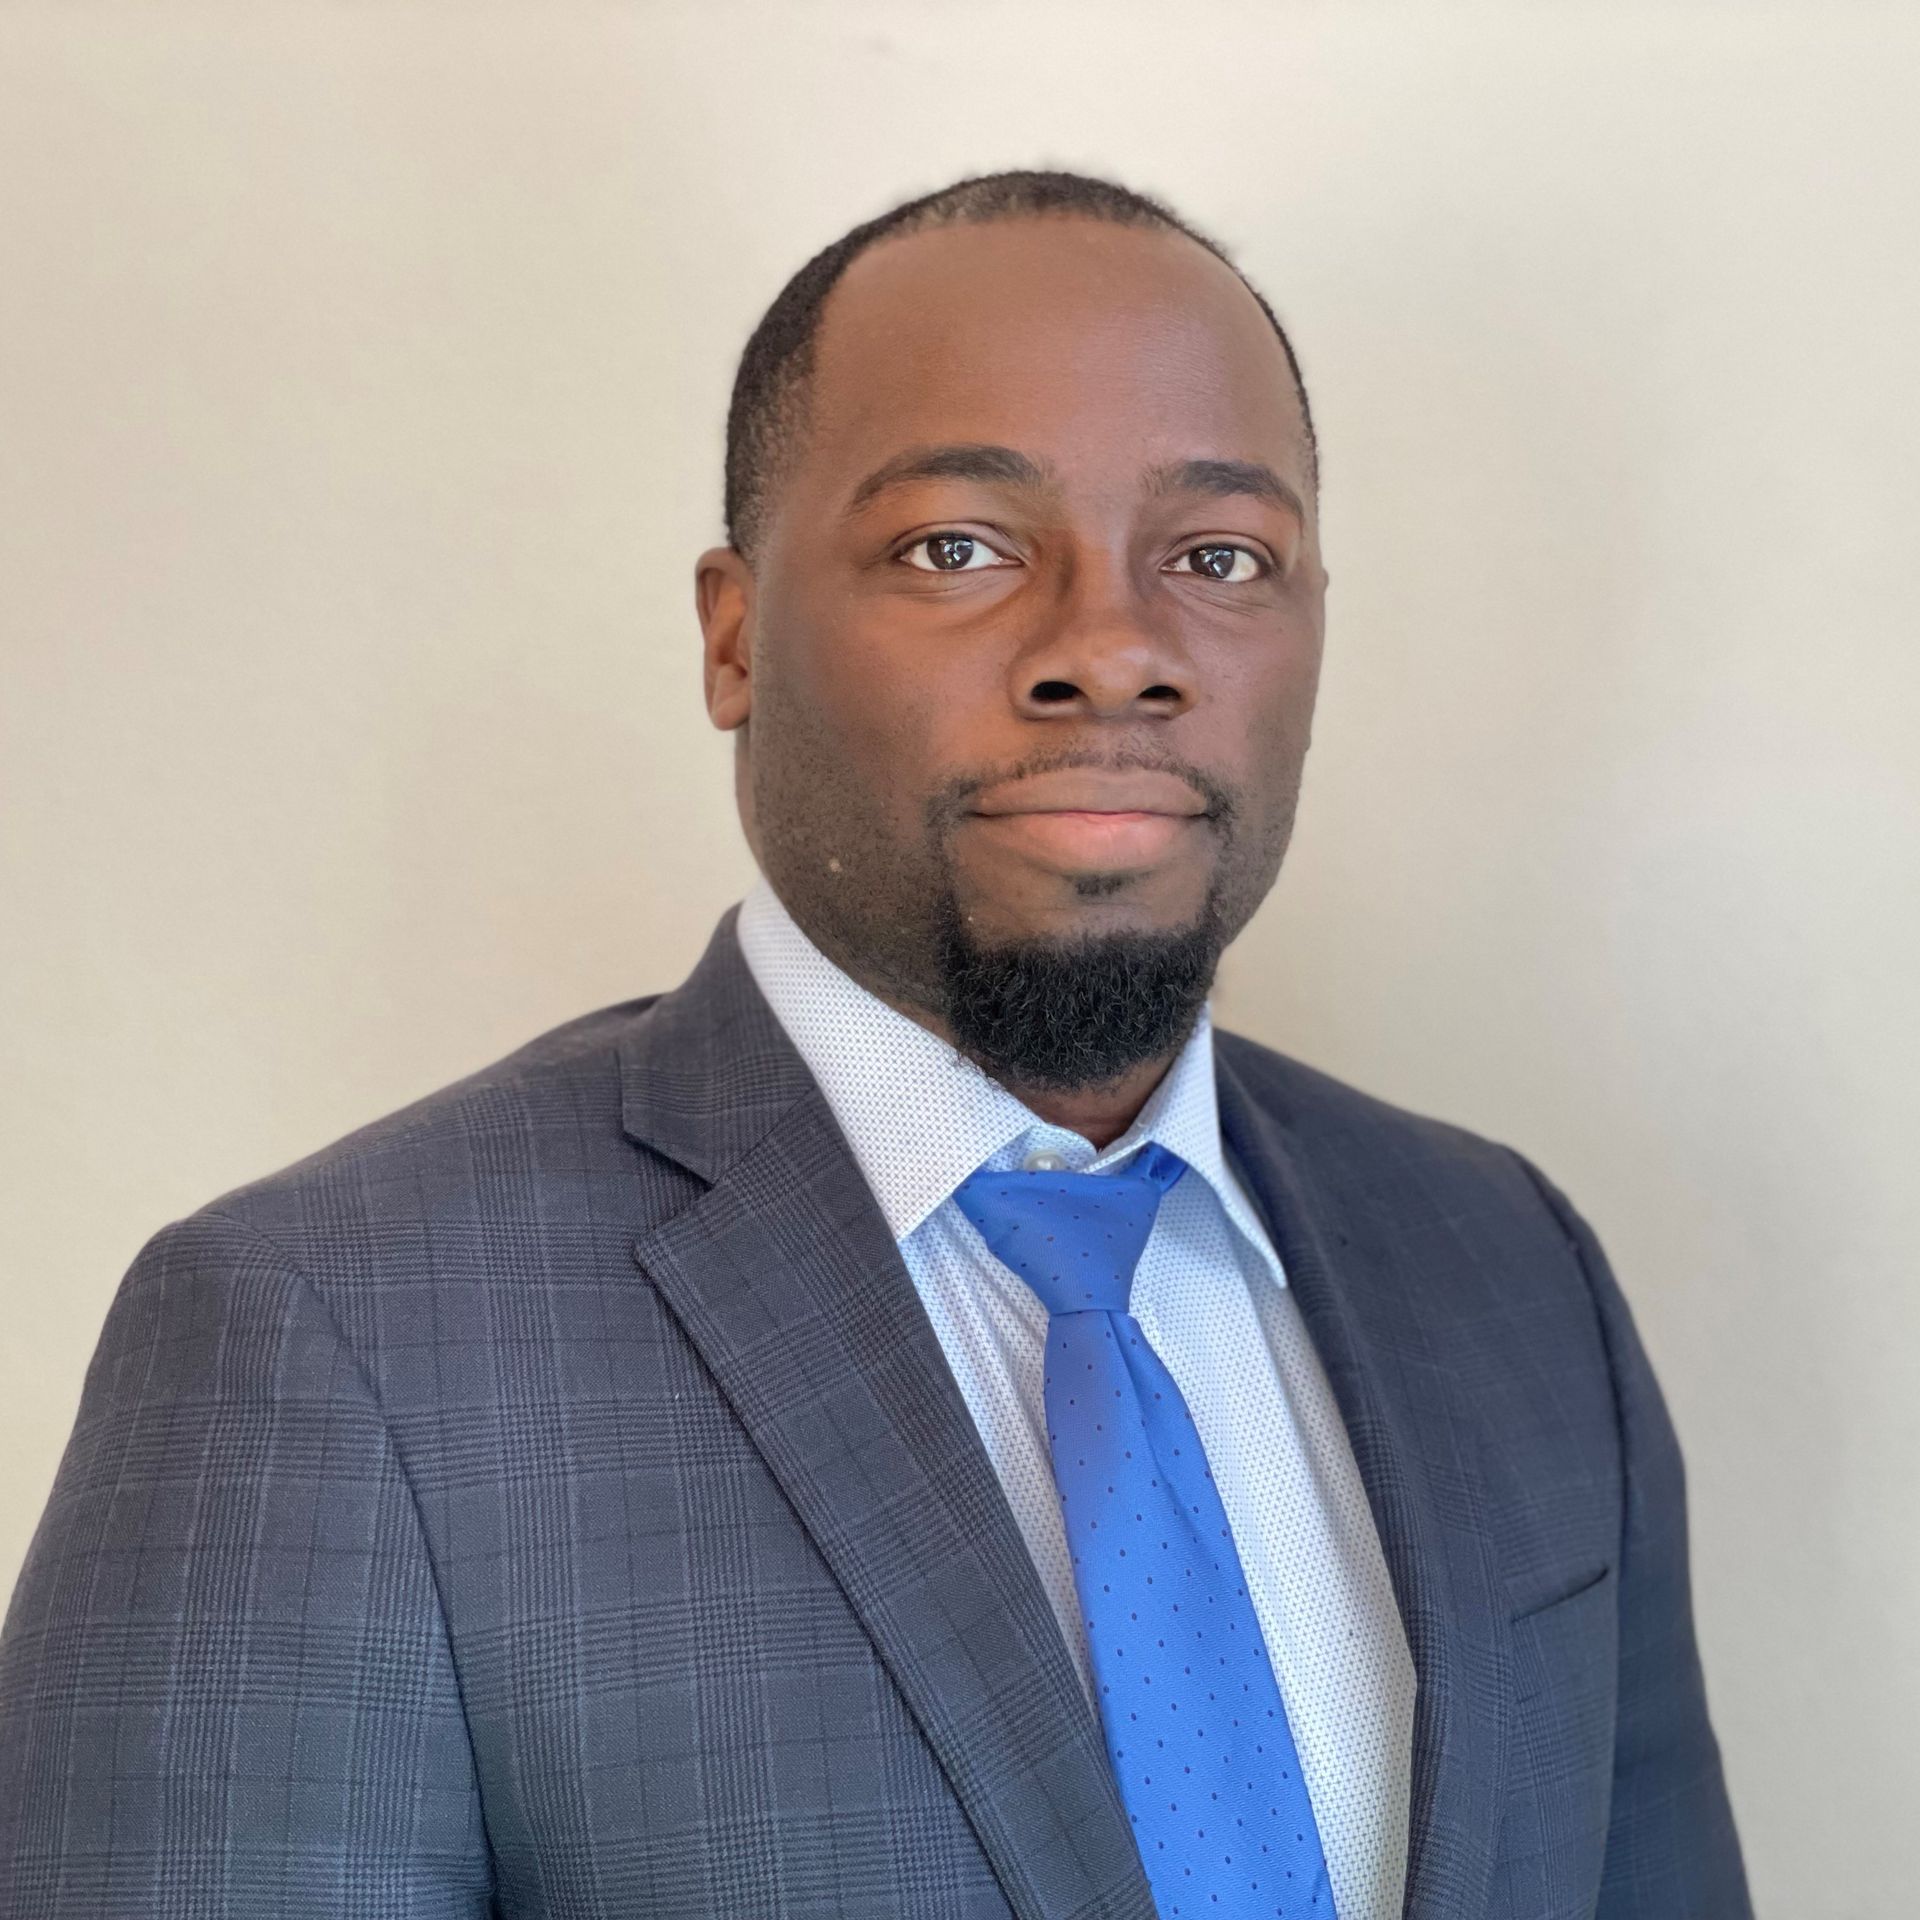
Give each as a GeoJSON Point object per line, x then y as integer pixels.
{"type": "Point", "coordinates": [1064, 1015]}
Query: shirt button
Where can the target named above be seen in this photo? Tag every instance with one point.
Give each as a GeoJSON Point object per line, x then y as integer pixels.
{"type": "Point", "coordinates": [1045, 1161]}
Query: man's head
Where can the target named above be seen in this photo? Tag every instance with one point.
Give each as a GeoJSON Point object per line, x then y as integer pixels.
{"type": "Point", "coordinates": [1020, 619]}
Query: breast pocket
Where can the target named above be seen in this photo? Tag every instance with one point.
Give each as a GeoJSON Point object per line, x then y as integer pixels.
{"type": "Point", "coordinates": [1560, 1768]}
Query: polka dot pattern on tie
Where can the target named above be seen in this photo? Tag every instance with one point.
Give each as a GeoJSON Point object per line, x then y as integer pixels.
{"type": "Point", "coordinates": [1193, 1717]}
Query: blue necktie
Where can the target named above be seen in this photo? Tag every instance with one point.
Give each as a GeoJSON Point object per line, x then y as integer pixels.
{"type": "Point", "coordinates": [1195, 1728]}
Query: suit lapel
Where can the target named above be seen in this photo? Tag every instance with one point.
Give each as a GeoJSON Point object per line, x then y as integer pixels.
{"type": "Point", "coordinates": [785, 1277]}
{"type": "Point", "coordinates": [1405, 1423]}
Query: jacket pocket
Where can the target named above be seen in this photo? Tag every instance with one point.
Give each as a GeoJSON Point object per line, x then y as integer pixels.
{"type": "Point", "coordinates": [1560, 1766]}
{"type": "Point", "coordinates": [1570, 1647]}
{"type": "Point", "coordinates": [1566, 1597]}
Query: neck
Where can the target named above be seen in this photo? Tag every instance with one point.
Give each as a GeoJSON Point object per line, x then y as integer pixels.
{"type": "Point", "coordinates": [1099, 1114]}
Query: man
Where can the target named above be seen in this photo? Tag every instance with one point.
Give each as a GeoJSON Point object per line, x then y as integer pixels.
{"type": "Point", "coordinates": [913, 1421]}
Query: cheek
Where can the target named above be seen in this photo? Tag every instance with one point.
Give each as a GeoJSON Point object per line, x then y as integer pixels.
{"type": "Point", "coordinates": [1265, 710]}
{"type": "Point", "coordinates": [1271, 690]}
{"type": "Point", "coordinates": [1290, 703]}
{"type": "Point", "coordinates": [845, 705]}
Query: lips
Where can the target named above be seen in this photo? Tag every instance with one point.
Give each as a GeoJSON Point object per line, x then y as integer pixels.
{"type": "Point", "coordinates": [1092, 790]}
{"type": "Point", "coordinates": [1084, 818]}
{"type": "Point", "coordinates": [1081, 842]}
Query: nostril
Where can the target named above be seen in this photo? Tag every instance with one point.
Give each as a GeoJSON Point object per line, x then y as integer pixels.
{"type": "Point", "coordinates": [1059, 690]}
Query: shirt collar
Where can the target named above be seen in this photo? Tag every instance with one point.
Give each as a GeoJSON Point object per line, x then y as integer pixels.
{"type": "Point", "coordinates": [920, 1116]}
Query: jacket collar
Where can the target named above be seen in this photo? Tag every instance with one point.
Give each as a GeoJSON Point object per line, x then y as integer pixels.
{"type": "Point", "coordinates": [1366, 1301]}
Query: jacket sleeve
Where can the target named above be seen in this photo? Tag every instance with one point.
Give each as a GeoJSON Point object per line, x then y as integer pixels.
{"type": "Point", "coordinates": [1672, 1849]}
{"type": "Point", "coordinates": [225, 1682]}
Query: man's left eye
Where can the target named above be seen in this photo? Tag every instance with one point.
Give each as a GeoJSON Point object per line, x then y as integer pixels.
{"type": "Point", "coordinates": [1230, 564]}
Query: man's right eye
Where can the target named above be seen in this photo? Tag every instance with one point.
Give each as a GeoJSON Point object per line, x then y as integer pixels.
{"type": "Point", "coordinates": [953, 553]}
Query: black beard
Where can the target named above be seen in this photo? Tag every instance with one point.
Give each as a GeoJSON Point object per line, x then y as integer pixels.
{"type": "Point", "coordinates": [1063, 1016]}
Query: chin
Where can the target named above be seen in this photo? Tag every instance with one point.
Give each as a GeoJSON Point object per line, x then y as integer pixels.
{"type": "Point", "coordinates": [1075, 905]}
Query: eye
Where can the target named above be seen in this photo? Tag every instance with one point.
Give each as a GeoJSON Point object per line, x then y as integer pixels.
{"type": "Point", "coordinates": [1222, 562]}
{"type": "Point", "coordinates": [953, 553]}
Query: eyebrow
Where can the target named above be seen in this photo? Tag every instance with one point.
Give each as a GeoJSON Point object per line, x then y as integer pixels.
{"type": "Point", "coordinates": [968, 460]}
{"type": "Point", "coordinates": [1225, 478]}
{"type": "Point", "coordinates": [1008, 466]}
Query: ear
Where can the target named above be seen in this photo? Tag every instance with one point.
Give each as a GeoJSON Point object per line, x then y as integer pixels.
{"type": "Point", "coordinates": [723, 597]}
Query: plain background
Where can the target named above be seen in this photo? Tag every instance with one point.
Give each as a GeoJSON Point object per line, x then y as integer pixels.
{"type": "Point", "coordinates": [362, 374]}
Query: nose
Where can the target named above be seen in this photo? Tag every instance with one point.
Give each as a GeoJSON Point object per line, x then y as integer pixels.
{"type": "Point", "coordinates": [1103, 651]}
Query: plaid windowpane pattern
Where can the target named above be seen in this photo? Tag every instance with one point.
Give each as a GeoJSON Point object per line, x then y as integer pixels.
{"type": "Point", "coordinates": [553, 1501]}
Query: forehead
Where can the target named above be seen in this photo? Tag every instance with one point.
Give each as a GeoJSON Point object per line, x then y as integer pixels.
{"type": "Point", "coordinates": [1092, 345]}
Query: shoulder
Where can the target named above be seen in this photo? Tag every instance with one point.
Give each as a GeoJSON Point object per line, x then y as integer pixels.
{"type": "Point", "coordinates": [533, 1138]}
{"type": "Point", "coordinates": [1389, 1177]}
{"type": "Point", "coordinates": [1334, 1124]}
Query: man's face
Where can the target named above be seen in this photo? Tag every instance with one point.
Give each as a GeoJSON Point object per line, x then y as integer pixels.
{"type": "Point", "coordinates": [1027, 659]}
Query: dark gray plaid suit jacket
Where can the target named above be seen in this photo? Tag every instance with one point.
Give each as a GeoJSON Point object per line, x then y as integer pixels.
{"type": "Point", "coordinates": [552, 1500]}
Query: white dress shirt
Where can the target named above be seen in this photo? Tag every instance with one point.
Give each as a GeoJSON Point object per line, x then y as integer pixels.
{"type": "Point", "coordinates": [1213, 1301]}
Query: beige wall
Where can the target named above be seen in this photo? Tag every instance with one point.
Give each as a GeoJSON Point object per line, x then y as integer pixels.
{"type": "Point", "coordinates": [361, 378]}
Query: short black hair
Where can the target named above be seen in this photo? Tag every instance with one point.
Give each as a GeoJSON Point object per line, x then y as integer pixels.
{"type": "Point", "coordinates": [768, 410]}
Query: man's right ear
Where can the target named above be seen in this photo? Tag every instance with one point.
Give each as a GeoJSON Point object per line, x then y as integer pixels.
{"type": "Point", "coordinates": [723, 597]}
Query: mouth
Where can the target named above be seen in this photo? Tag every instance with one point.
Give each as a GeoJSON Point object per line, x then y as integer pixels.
{"type": "Point", "coordinates": [1079, 839]}
{"type": "Point", "coordinates": [1082, 819]}
{"type": "Point", "coordinates": [1094, 791]}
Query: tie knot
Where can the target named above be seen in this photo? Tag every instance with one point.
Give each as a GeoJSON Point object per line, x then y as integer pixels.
{"type": "Point", "coordinates": [1074, 1238]}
